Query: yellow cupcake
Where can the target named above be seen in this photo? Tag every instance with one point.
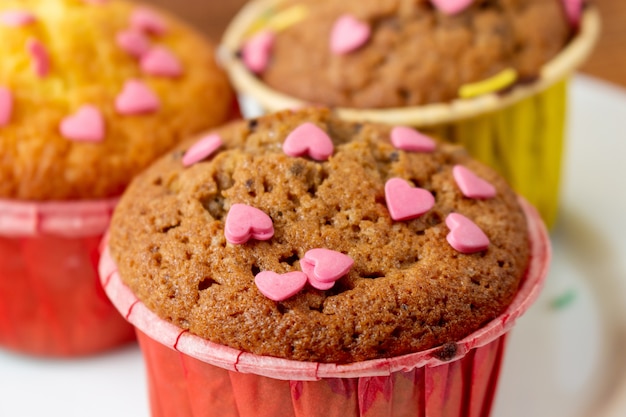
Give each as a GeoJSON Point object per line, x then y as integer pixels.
{"type": "Point", "coordinates": [62, 57]}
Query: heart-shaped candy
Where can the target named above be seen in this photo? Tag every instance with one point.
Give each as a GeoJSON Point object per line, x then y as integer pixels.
{"type": "Point", "coordinates": [257, 50]}
{"type": "Point", "coordinates": [279, 287]}
{"type": "Point", "coordinates": [161, 62]}
{"type": "Point", "coordinates": [6, 106]}
{"type": "Point", "coordinates": [202, 149]}
{"type": "Point", "coordinates": [408, 139]}
{"type": "Point", "coordinates": [465, 236]}
{"type": "Point", "coordinates": [145, 20]}
{"type": "Point", "coordinates": [348, 34]}
{"type": "Point", "coordinates": [308, 139]}
{"type": "Point", "coordinates": [405, 202]}
{"type": "Point", "coordinates": [308, 267]}
{"type": "Point", "coordinates": [574, 11]}
{"type": "Point", "coordinates": [244, 222]}
{"type": "Point", "coordinates": [134, 42]}
{"type": "Point", "coordinates": [451, 7]}
{"type": "Point", "coordinates": [17, 18]}
{"type": "Point", "coordinates": [39, 56]}
{"type": "Point", "coordinates": [471, 185]}
{"type": "Point", "coordinates": [328, 265]}
{"type": "Point", "coordinates": [86, 125]}
{"type": "Point", "coordinates": [136, 98]}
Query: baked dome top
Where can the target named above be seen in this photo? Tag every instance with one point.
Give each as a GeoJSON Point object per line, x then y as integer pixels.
{"type": "Point", "coordinates": [92, 91]}
{"type": "Point", "coordinates": [409, 52]}
{"type": "Point", "coordinates": [408, 289]}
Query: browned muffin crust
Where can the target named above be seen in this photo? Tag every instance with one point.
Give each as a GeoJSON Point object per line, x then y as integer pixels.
{"type": "Point", "coordinates": [408, 289]}
{"type": "Point", "coordinates": [416, 54]}
{"type": "Point", "coordinates": [87, 66]}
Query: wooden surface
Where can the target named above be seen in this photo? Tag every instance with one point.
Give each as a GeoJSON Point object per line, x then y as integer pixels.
{"type": "Point", "coordinates": [608, 61]}
{"type": "Point", "coordinates": [609, 58]}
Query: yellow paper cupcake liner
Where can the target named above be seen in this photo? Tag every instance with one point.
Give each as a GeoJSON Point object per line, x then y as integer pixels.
{"type": "Point", "coordinates": [524, 142]}
{"type": "Point", "coordinates": [519, 132]}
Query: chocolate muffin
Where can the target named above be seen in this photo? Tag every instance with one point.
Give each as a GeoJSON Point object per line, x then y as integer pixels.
{"type": "Point", "coordinates": [398, 53]}
{"type": "Point", "coordinates": [204, 236]}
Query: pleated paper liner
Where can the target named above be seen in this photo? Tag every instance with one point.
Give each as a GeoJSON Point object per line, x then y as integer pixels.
{"type": "Point", "coordinates": [519, 132]}
{"type": "Point", "coordinates": [189, 376]}
{"type": "Point", "coordinates": [51, 301]}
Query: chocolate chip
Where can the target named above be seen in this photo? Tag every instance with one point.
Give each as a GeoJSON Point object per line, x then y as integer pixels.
{"type": "Point", "coordinates": [296, 169]}
{"type": "Point", "coordinates": [447, 352]}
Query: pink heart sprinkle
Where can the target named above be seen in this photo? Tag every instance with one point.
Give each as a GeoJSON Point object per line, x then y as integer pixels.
{"type": "Point", "coordinates": [17, 18]}
{"type": "Point", "coordinates": [145, 20]}
{"type": "Point", "coordinates": [134, 42]}
{"type": "Point", "coordinates": [308, 267]}
{"type": "Point", "coordinates": [465, 236]}
{"type": "Point", "coordinates": [279, 287]}
{"type": "Point", "coordinates": [408, 139]}
{"type": "Point", "coordinates": [39, 55]}
{"type": "Point", "coordinates": [136, 98]}
{"type": "Point", "coordinates": [308, 139]}
{"type": "Point", "coordinates": [257, 50]}
{"type": "Point", "coordinates": [202, 149]}
{"type": "Point", "coordinates": [348, 34]}
{"type": "Point", "coordinates": [6, 106]}
{"type": "Point", "coordinates": [451, 7]}
{"type": "Point", "coordinates": [405, 202]}
{"type": "Point", "coordinates": [160, 61]}
{"type": "Point", "coordinates": [574, 11]}
{"type": "Point", "coordinates": [328, 265]}
{"type": "Point", "coordinates": [471, 185]}
{"type": "Point", "coordinates": [86, 125]}
{"type": "Point", "coordinates": [244, 222]}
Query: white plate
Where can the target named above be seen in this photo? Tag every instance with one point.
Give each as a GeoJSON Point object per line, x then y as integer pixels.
{"type": "Point", "coordinates": [561, 362]}
{"type": "Point", "coordinates": [570, 362]}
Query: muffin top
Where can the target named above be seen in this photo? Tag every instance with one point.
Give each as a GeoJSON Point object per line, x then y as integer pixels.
{"type": "Point", "coordinates": [358, 248]}
{"type": "Point", "coordinates": [396, 53]}
{"type": "Point", "coordinates": [93, 91]}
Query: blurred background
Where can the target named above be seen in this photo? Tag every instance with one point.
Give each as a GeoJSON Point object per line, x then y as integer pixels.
{"type": "Point", "coordinates": [608, 62]}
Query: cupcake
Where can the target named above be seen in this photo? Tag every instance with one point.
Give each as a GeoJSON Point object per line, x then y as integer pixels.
{"type": "Point", "coordinates": [91, 92]}
{"type": "Point", "coordinates": [491, 75]}
{"type": "Point", "coordinates": [303, 265]}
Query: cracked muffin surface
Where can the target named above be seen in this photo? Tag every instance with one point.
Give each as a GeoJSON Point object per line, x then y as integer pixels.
{"type": "Point", "coordinates": [408, 289]}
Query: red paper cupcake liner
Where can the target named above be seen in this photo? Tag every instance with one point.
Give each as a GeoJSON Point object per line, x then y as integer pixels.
{"type": "Point", "coordinates": [51, 301]}
{"type": "Point", "coordinates": [190, 376]}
